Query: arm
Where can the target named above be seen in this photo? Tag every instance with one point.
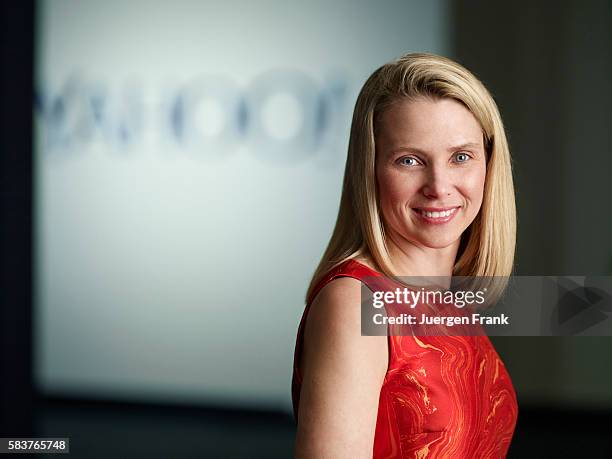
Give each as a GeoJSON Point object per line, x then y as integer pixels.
{"type": "Point", "coordinates": [342, 376]}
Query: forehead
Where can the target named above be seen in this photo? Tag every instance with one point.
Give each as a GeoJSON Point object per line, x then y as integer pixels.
{"type": "Point", "coordinates": [427, 123]}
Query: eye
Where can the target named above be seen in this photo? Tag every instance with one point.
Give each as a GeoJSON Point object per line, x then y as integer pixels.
{"type": "Point", "coordinates": [408, 161]}
{"type": "Point", "coordinates": [462, 157]}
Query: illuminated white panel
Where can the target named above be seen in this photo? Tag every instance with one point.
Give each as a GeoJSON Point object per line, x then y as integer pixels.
{"type": "Point", "coordinates": [188, 168]}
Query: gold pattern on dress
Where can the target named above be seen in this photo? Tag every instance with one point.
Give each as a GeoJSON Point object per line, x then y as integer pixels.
{"type": "Point", "coordinates": [425, 346]}
{"type": "Point", "coordinates": [482, 363]}
{"type": "Point", "coordinates": [423, 452]}
{"type": "Point", "coordinates": [497, 401]}
{"type": "Point", "coordinates": [423, 390]}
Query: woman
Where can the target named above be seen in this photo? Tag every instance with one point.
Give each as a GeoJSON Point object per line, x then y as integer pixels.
{"type": "Point", "coordinates": [427, 192]}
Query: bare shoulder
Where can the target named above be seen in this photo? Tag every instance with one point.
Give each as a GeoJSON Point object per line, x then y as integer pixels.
{"type": "Point", "coordinates": [335, 314]}
{"type": "Point", "coordinates": [342, 376]}
{"type": "Point", "coordinates": [332, 335]}
{"type": "Point", "coordinates": [341, 295]}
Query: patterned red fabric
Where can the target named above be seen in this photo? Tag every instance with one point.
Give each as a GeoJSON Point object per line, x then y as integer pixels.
{"type": "Point", "coordinates": [442, 396]}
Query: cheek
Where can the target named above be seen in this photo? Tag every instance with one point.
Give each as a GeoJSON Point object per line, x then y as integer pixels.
{"type": "Point", "coordinates": [473, 185]}
{"type": "Point", "coordinates": [394, 188]}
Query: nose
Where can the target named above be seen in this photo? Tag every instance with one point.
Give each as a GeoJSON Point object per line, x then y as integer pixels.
{"type": "Point", "coordinates": [438, 183]}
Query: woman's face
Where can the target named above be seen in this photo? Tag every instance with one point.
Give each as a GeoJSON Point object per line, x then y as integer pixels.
{"type": "Point", "coordinates": [430, 170]}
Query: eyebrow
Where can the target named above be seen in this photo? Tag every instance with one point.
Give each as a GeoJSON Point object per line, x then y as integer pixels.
{"type": "Point", "coordinates": [453, 148]}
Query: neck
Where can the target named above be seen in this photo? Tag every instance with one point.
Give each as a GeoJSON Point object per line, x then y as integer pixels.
{"type": "Point", "coordinates": [414, 260]}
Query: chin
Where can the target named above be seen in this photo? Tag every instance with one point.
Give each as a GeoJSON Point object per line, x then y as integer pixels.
{"type": "Point", "coordinates": [438, 242]}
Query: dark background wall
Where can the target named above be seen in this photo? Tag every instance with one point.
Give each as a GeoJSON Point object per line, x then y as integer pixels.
{"type": "Point", "coordinates": [16, 58]}
{"type": "Point", "coordinates": [548, 66]}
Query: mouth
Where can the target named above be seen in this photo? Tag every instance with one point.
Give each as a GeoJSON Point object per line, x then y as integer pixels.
{"type": "Point", "coordinates": [436, 215]}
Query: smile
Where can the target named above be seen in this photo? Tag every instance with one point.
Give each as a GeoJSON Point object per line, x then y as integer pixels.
{"type": "Point", "coordinates": [436, 216]}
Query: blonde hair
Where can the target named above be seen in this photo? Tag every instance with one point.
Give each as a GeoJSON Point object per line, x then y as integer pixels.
{"type": "Point", "coordinates": [487, 246]}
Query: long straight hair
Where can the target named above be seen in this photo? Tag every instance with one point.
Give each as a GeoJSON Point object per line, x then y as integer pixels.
{"type": "Point", "coordinates": [487, 246]}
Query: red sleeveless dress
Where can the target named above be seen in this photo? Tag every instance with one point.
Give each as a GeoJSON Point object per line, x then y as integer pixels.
{"type": "Point", "coordinates": [442, 396]}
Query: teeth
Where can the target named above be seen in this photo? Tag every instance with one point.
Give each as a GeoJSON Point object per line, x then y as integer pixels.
{"type": "Point", "coordinates": [446, 213]}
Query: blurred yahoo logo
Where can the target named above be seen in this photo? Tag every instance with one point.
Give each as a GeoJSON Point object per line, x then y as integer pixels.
{"type": "Point", "coordinates": [282, 115]}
